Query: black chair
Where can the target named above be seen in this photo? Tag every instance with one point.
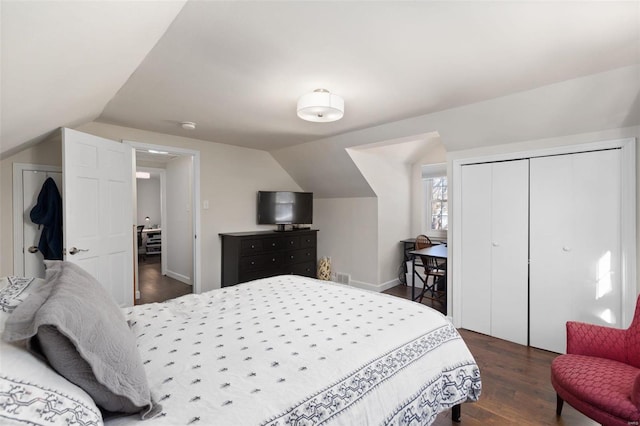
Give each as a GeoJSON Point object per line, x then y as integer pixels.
{"type": "Point", "coordinates": [432, 268]}
{"type": "Point", "coordinates": [141, 250]}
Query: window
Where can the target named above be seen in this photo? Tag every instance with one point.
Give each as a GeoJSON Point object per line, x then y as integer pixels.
{"type": "Point", "coordinates": [435, 211]}
{"type": "Point", "coordinates": [437, 206]}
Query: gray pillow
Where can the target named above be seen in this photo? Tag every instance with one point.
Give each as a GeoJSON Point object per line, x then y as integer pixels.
{"type": "Point", "coordinates": [85, 338]}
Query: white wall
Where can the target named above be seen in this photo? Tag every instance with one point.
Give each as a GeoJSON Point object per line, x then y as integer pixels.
{"type": "Point", "coordinates": [348, 234]}
{"type": "Point", "coordinates": [391, 181]}
{"type": "Point", "coordinates": [148, 201]}
{"type": "Point", "coordinates": [178, 225]}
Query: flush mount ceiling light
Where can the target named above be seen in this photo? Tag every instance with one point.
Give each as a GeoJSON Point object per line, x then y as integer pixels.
{"type": "Point", "coordinates": [188, 125]}
{"type": "Point", "coordinates": [320, 106]}
{"type": "Point", "coordinates": [143, 175]}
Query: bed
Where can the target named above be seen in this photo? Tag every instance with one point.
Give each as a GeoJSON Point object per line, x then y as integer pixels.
{"type": "Point", "coordinates": [286, 350]}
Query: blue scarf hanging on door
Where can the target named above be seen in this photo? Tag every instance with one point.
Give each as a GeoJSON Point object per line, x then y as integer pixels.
{"type": "Point", "coordinates": [48, 213]}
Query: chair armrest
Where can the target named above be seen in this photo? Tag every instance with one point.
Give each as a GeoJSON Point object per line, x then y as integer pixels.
{"type": "Point", "coordinates": [596, 340]}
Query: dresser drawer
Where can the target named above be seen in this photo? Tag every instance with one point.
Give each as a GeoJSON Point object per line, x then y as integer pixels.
{"type": "Point", "coordinates": [262, 261]}
{"type": "Point", "coordinates": [254, 275]}
{"type": "Point", "coordinates": [307, 269]}
{"type": "Point", "coordinates": [281, 243]}
{"type": "Point", "coordinates": [250, 263]}
{"type": "Point", "coordinates": [248, 247]}
{"type": "Point", "coordinates": [308, 240]}
{"type": "Point", "coordinates": [298, 256]}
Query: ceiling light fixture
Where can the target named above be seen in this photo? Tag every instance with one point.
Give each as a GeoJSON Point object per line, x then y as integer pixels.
{"type": "Point", "coordinates": [143, 175]}
{"type": "Point", "coordinates": [320, 106]}
{"type": "Point", "coordinates": [154, 151]}
{"type": "Point", "coordinates": [188, 125]}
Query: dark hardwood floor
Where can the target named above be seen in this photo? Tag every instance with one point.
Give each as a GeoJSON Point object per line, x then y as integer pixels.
{"type": "Point", "coordinates": [155, 287]}
{"type": "Point", "coordinates": [516, 385]}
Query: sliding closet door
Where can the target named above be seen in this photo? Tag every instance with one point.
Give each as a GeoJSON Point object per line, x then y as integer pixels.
{"type": "Point", "coordinates": [494, 249]}
{"type": "Point", "coordinates": [575, 244]}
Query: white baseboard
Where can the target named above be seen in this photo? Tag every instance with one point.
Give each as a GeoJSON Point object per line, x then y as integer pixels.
{"type": "Point", "coordinates": [375, 287]}
{"type": "Point", "coordinates": [179, 277]}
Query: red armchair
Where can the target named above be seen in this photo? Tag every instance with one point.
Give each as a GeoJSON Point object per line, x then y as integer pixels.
{"type": "Point", "coordinates": [600, 374]}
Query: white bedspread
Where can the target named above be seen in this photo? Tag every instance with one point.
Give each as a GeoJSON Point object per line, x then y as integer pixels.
{"type": "Point", "coordinates": [291, 350]}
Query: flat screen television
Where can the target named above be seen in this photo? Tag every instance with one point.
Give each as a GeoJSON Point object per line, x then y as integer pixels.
{"type": "Point", "coordinates": [285, 208]}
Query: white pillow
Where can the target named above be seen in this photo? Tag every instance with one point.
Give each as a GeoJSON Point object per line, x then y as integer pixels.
{"type": "Point", "coordinates": [13, 291]}
{"type": "Point", "coordinates": [33, 393]}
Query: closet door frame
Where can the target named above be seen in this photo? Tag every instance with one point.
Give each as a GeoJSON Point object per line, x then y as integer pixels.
{"type": "Point", "coordinates": [18, 212]}
{"type": "Point", "coordinates": [629, 288]}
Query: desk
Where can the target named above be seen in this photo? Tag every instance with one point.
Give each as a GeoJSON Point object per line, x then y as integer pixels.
{"type": "Point", "coordinates": [438, 251]}
{"type": "Point", "coordinates": [153, 244]}
{"type": "Point", "coordinates": [152, 230]}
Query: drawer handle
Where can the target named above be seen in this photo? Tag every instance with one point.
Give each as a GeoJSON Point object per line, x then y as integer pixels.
{"type": "Point", "coordinates": [273, 260]}
{"type": "Point", "coordinates": [252, 246]}
{"type": "Point", "coordinates": [291, 257]}
{"type": "Point", "coordinates": [253, 263]}
{"type": "Point", "coordinates": [273, 244]}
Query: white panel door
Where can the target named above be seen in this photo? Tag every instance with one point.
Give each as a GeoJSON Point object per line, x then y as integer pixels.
{"type": "Point", "coordinates": [574, 244]}
{"type": "Point", "coordinates": [32, 181]}
{"type": "Point", "coordinates": [510, 250]}
{"type": "Point", "coordinates": [494, 273]}
{"type": "Point", "coordinates": [98, 210]}
{"type": "Point", "coordinates": [475, 278]}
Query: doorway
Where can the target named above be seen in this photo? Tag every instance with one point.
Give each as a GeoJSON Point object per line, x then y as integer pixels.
{"type": "Point", "coordinates": [27, 182]}
{"type": "Point", "coordinates": [167, 219]}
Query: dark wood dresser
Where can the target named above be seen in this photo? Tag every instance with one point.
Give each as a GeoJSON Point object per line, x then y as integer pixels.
{"type": "Point", "coordinates": [248, 256]}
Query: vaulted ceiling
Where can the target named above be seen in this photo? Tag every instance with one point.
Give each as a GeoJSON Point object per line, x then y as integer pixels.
{"type": "Point", "coordinates": [237, 68]}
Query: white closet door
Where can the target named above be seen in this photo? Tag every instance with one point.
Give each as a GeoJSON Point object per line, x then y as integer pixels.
{"type": "Point", "coordinates": [574, 244]}
{"type": "Point", "coordinates": [495, 249]}
{"type": "Point", "coordinates": [509, 251]}
{"type": "Point", "coordinates": [475, 279]}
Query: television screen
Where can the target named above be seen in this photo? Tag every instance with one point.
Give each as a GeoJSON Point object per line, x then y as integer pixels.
{"type": "Point", "coordinates": [285, 208]}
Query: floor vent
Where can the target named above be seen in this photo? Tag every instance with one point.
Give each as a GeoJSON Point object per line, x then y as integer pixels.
{"type": "Point", "coordinates": [343, 278]}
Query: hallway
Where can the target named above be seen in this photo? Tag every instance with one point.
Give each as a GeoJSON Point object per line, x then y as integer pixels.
{"type": "Point", "coordinates": [155, 287]}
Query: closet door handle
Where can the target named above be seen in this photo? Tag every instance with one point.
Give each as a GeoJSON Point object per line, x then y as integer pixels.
{"type": "Point", "coordinates": [74, 250]}
{"type": "Point", "coordinates": [566, 249]}
{"type": "Point", "coordinates": [32, 249]}
{"type": "Point", "coordinates": [495, 244]}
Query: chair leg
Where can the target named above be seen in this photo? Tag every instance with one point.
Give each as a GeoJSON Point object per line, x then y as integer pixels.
{"type": "Point", "coordinates": [455, 413]}
{"type": "Point", "coordinates": [559, 404]}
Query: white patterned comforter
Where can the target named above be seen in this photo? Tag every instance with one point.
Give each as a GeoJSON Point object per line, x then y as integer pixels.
{"type": "Point", "coordinates": [291, 351]}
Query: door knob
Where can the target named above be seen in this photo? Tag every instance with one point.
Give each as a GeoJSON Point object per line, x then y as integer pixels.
{"type": "Point", "coordinates": [74, 250]}
{"type": "Point", "coordinates": [33, 249]}
{"type": "Point", "coordinates": [495, 244]}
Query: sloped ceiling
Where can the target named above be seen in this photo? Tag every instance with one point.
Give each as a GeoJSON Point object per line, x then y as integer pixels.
{"type": "Point", "coordinates": [478, 73]}
{"type": "Point", "coordinates": [63, 61]}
